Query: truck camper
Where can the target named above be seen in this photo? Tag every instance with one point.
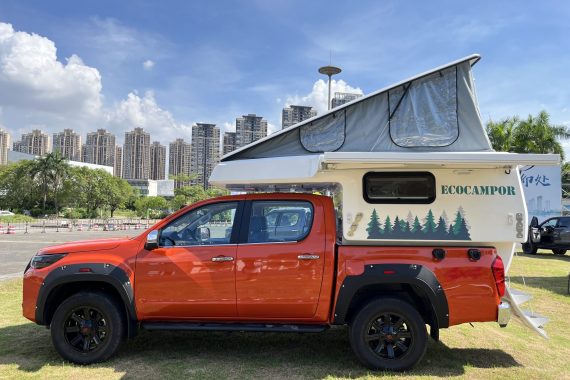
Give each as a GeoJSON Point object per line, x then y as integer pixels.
{"type": "Point", "coordinates": [423, 232]}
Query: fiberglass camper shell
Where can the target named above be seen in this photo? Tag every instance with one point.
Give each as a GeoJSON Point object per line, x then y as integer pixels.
{"type": "Point", "coordinates": [413, 164]}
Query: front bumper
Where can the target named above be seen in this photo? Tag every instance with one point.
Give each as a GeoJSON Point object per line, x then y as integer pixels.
{"type": "Point", "coordinates": [504, 314]}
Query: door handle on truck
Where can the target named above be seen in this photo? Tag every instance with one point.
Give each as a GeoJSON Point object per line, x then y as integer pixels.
{"type": "Point", "coordinates": [308, 257]}
{"type": "Point", "coordinates": [222, 258]}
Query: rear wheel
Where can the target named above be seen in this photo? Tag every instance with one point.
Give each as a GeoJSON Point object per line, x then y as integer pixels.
{"type": "Point", "coordinates": [388, 334]}
{"type": "Point", "coordinates": [87, 328]}
{"type": "Point", "coordinates": [529, 248]}
{"type": "Point", "coordinates": [558, 251]}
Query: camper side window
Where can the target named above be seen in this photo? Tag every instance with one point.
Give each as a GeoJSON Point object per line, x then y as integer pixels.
{"type": "Point", "coordinates": [399, 187]}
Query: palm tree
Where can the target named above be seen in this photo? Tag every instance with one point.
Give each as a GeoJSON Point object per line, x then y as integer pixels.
{"type": "Point", "coordinates": [535, 134]}
{"type": "Point", "coordinates": [501, 133]}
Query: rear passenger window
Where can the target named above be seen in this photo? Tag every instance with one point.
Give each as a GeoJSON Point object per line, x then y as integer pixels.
{"type": "Point", "coordinates": [399, 187]}
{"type": "Point", "coordinates": [279, 221]}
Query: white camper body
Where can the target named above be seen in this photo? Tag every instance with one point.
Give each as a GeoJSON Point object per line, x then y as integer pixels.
{"type": "Point", "coordinates": [426, 129]}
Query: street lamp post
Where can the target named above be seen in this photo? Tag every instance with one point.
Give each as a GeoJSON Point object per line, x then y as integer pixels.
{"type": "Point", "coordinates": [329, 71]}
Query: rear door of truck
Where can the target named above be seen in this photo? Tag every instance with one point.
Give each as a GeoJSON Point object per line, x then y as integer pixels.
{"type": "Point", "coordinates": [280, 276]}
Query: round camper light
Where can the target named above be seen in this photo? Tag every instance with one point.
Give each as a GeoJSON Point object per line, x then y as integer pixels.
{"type": "Point", "coordinates": [438, 253]}
{"type": "Point", "coordinates": [474, 254]}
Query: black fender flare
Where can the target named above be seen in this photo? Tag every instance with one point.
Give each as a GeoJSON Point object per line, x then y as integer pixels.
{"type": "Point", "coordinates": [88, 272]}
{"type": "Point", "coordinates": [411, 274]}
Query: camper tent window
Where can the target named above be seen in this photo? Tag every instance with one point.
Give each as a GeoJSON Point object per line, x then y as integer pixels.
{"type": "Point", "coordinates": [423, 113]}
{"type": "Point", "coordinates": [412, 187]}
{"type": "Point", "coordinates": [324, 135]}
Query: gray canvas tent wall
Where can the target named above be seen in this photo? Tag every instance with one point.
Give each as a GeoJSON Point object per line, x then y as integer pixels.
{"type": "Point", "coordinates": [435, 111]}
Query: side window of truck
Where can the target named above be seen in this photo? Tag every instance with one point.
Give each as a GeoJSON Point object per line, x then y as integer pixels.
{"type": "Point", "coordinates": [399, 187]}
{"type": "Point", "coordinates": [279, 221]}
{"type": "Point", "coordinates": [208, 225]}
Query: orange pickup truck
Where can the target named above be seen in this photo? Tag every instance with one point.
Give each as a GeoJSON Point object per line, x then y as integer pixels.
{"type": "Point", "coordinates": [260, 262]}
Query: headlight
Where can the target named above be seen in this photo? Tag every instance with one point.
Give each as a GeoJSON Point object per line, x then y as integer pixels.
{"type": "Point", "coordinates": [42, 261]}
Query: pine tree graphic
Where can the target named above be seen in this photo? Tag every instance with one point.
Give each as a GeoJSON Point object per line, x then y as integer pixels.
{"type": "Point", "coordinates": [388, 226]}
{"type": "Point", "coordinates": [463, 233]}
{"type": "Point", "coordinates": [416, 227]}
{"type": "Point", "coordinates": [429, 225]}
{"type": "Point", "coordinates": [441, 228]}
{"type": "Point", "coordinates": [374, 230]}
{"type": "Point", "coordinates": [457, 223]}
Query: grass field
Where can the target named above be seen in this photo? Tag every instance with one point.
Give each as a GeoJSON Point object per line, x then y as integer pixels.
{"type": "Point", "coordinates": [484, 351]}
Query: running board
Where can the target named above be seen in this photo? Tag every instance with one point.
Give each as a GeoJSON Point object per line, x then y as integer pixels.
{"type": "Point", "coordinates": [242, 327]}
{"type": "Point", "coordinates": [532, 320]}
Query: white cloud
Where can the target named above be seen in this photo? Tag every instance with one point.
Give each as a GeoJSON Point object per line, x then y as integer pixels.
{"type": "Point", "coordinates": [148, 64]}
{"type": "Point", "coordinates": [39, 91]}
{"type": "Point", "coordinates": [136, 111]}
{"type": "Point", "coordinates": [32, 78]}
{"type": "Point", "coordinates": [318, 97]}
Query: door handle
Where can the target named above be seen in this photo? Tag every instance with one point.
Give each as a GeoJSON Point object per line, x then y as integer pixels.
{"type": "Point", "coordinates": [308, 257]}
{"type": "Point", "coordinates": [222, 258]}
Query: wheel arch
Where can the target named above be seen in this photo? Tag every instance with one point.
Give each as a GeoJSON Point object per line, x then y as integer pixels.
{"type": "Point", "coordinates": [415, 284]}
{"type": "Point", "coordinates": [67, 280]}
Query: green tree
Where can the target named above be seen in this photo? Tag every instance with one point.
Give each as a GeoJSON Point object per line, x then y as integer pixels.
{"type": "Point", "coordinates": [374, 230]}
{"type": "Point", "coordinates": [535, 134]}
{"type": "Point", "coordinates": [501, 133]}
{"type": "Point", "coordinates": [116, 193]}
{"type": "Point", "coordinates": [150, 206]}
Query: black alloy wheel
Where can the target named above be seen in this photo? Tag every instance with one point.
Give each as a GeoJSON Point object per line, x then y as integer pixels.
{"type": "Point", "coordinates": [88, 327]}
{"type": "Point", "coordinates": [558, 251]}
{"type": "Point", "coordinates": [389, 334]}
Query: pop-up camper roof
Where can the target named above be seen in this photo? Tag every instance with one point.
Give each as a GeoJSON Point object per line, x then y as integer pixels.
{"type": "Point", "coordinates": [435, 111]}
{"type": "Point", "coordinates": [431, 120]}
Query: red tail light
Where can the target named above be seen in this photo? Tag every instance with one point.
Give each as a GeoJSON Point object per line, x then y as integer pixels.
{"type": "Point", "coordinates": [499, 274]}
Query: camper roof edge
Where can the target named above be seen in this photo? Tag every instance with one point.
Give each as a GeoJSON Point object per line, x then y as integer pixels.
{"type": "Point", "coordinates": [305, 169]}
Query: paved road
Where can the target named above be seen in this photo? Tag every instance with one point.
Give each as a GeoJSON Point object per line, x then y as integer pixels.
{"type": "Point", "coordinates": [16, 250]}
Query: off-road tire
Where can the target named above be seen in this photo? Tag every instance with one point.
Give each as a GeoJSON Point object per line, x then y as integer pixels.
{"type": "Point", "coordinates": [380, 318]}
{"type": "Point", "coordinates": [558, 251]}
{"type": "Point", "coordinates": [75, 336]}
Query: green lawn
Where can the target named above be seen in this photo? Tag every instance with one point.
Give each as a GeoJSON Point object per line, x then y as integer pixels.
{"type": "Point", "coordinates": [484, 351]}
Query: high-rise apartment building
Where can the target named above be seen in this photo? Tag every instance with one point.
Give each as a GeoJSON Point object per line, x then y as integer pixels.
{"type": "Point", "coordinates": [35, 142]}
{"type": "Point", "coordinates": [136, 154]}
{"type": "Point", "coordinates": [99, 148]}
{"type": "Point", "coordinates": [179, 153]}
{"type": "Point", "coordinates": [118, 165]}
{"type": "Point", "coordinates": [157, 161]}
{"type": "Point", "coordinates": [250, 128]}
{"type": "Point", "coordinates": [343, 97]}
{"type": "Point", "coordinates": [230, 143]}
{"type": "Point", "coordinates": [205, 152]}
{"type": "Point", "coordinates": [295, 114]}
{"type": "Point", "coordinates": [4, 146]}
{"type": "Point", "coordinates": [68, 143]}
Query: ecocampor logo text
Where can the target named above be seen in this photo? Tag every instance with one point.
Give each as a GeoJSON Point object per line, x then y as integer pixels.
{"type": "Point", "coordinates": [477, 190]}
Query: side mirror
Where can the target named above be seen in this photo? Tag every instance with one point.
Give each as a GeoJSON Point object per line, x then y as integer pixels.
{"type": "Point", "coordinates": [203, 234]}
{"type": "Point", "coordinates": [151, 240]}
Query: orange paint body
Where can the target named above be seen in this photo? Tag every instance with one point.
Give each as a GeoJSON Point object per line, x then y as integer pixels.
{"type": "Point", "coordinates": [266, 281]}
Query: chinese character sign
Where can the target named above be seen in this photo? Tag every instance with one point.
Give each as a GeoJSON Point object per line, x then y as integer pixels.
{"type": "Point", "coordinates": [542, 191]}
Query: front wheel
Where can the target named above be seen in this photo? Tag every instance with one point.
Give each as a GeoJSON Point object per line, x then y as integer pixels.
{"type": "Point", "coordinates": [87, 328]}
{"type": "Point", "coordinates": [558, 251]}
{"type": "Point", "coordinates": [388, 334]}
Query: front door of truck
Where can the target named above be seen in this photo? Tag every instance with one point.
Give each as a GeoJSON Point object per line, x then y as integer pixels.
{"type": "Point", "coordinates": [280, 275]}
{"type": "Point", "coordinates": [192, 272]}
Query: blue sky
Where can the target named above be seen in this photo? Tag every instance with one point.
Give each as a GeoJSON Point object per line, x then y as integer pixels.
{"type": "Point", "coordinates": [212, 61]}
